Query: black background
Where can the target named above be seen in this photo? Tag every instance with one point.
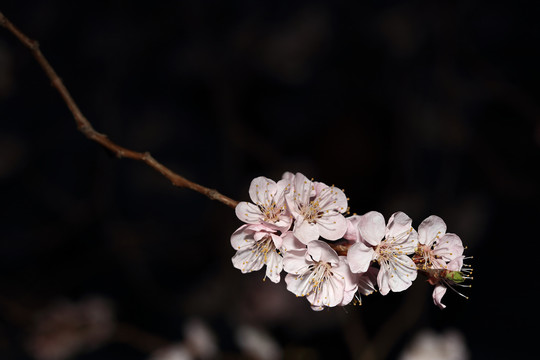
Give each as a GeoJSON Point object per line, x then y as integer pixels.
{"type": "Point", "coordinates": [420, 106]}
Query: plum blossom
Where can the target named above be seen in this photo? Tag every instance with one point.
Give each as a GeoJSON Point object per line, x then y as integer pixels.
{"type": "Point", "coordinates": [440, 283]}
{"type": "Point", "coordinates": [388, 245]}
{"type": "Point", "coordinates": [200, 339]}
{"type": "Point", "coordinates": [317, 210]}
{"type": "Point", "coordinates": [268, 207]}
{"type": "Point", "coordinates": [429, 345]}
{"type": "Point", "coordinates": [440, 256]}
{"type": "Point", "coordinates": [298, 225]}
{"type": "Point", "coordinates": [177, 351]}
{"type": "Point", "coordinates": [68, 328]}
{"type": "Point", "coordinates": [257, 344]}
{"type": "Point", "coordinates": [257, 245]}
{"type": "Point", "coordinates": [436, 248]}
{"type": "Point", "coordinates": [319, 274]}
{"type": "Point", "coordinates": [453, 275]}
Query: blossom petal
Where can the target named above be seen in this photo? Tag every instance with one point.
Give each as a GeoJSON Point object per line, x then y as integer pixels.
{"type": "Point", "coordinates": [256, 246]}
{"type": "Point", "coordinates": [408, 242]}
{"type": "Point", "coordinates": [247, 261]}
{"type": "Point", "coordinates": [348, 296]}
{"type": "Point", "coordinates": [332, 227]}
{"type": "Point", "coordinates": [398, 225]}
{"type": "Point", "coordinates": [396, 275]}
{"type": "Point", "coordinates": [372, 227]}
{"type": "Point", "coordinates": [330, 197]}
{"type": "Point", "coordinates": [429, 229]}
{"type": "Point", "coordinates": [289, 176]}
{"type": "Point", "coordinates": [367, 281]}
{"type": "Point", "coordinates": [321, 251]}
{"type": "Point", "coordinates": [305, 231]}
{"type": "Point", "coordinates": [248, 213]}
{"type": "Point", "coordinates": [296, 283]}
{"type": "Point", "coordinates": [404, 272]}
{"type": "Point", "coordinates": [262, 190]}
{"type": "Point", "coordinates": [290, 242]}
{"type": "Point", "coordinates": [383, 280]}
{"type": "Point", "coordinates": [350, 284]}
{"type": "Point", "coordinates": [330, 293]}
{"type": "Point", "coordinates": [242, 237]}
{"type": "Point", "coordinates": [303, 190]}
{"type": "Point", "coordinates": [438, 293]}
{"type": "Point", "coordinates": [278, 240]}
{"type": "Point", "coordinates": [352, 233]}
{"type": "Point", "coordinates": [295, 262]}
{"type": "Point", "coordinates": [456, 264]}
{"type": "Point", "coordinates": [359, 257]}
{"type": "Point", "coordinates": [274, 266]}
{"type": "Point", "coordinates": [449, 247]}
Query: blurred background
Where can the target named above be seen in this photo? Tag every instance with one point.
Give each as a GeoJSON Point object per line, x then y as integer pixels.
{"type": "Point", "coordinates": [419, 106]}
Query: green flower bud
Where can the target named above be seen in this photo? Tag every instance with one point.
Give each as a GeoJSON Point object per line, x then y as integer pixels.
{"type": "Point", "coordinates": [455, 276]}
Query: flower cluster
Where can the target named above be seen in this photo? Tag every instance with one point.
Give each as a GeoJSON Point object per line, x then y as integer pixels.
{"type": "Point", "coordinates": [299, 226]}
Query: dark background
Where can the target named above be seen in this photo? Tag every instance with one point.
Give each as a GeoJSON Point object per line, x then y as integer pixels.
{"type": "Point", "coordinates": [420, 106]}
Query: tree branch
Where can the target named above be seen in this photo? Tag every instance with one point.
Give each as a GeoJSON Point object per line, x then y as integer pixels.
{"type": "Point", "coordinates": [84, 126]}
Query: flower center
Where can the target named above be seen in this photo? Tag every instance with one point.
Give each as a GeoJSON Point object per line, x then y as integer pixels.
{"type": "Point", "coordinates": [391, 247]}
{"type": "Point", "coordinates": [316, 275]}
{"type": "Point", "coordinates": [311, 212]}
{"type": "Point", "coordinates": [422, 257]}
{"type": "Point", "coordinates": [384, 252]}
{"type": "Point", "coordinates": [263, 247]}
{"type": "Point", "coordinates": [271, 211]}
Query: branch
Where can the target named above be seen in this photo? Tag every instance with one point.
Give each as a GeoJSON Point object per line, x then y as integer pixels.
{"type": "Point", "coordinates": [84, 126]}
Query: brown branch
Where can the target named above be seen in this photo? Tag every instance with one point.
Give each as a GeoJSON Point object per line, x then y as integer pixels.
{"type": "Point", "coordinates": [86, 128]}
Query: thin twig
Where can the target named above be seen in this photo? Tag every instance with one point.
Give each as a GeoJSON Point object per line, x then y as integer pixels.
{"type": "Point", "coordinates": [86, 128]}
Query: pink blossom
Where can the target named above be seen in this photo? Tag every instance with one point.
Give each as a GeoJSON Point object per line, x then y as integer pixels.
{"type": "Point", "coordinates": [435, 247]}
{"type": "Point", "coordinates": [388, 245]}
{"type": "Point", "coordinates": [319, 274]}
{"type": "Point", "coordinates": [440, 256]}
{"type": "Point", "coordinates": [444, 280]}
{"type": "Point", "coordinates": [257, 246]}
{"type": "Point", "coordinates": [317, 210]}
{"type": "Point", "coordinates": [268, 205]}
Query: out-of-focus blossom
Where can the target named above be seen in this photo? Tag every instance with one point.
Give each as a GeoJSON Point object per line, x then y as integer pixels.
{"type": "Point", "coordinates": [68, 328]}
{"type": "Point", "coordinates": [257, 344]}
{"type": "Point", "coordinates": [200, 339]}
{"type": "Point", "coordinates": [428, 345]}
{"type": "Point", "coordinates": [172, 352]}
